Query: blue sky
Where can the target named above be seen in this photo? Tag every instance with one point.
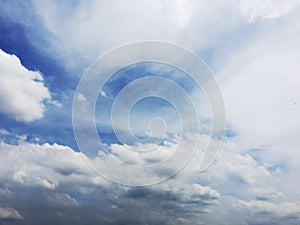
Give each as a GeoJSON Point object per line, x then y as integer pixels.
{"type": "Point", "coordinates": [251, 47]}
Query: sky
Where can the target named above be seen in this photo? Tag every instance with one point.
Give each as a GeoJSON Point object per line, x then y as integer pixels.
{"type": "Point", "coordinates": [155, 122]}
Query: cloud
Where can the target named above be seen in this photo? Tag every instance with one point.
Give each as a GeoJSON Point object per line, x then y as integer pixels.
{"type": "Point", "coordinates": [267, 193]}
{"type": "Point", "coordinates": [261, 91]}
{"type": "Point", "coordinates": [255, 10]}
{"type": "Point", "coordinates": [68, 182]}
{"type": "Point", "coordinates": [22, 91]}
{"type": "Point", "coordinates": [103, 94]}
{"type": "Point", "coordinates": [65, 200]}
{"type": "Point", "coordinates": [3, 132]}
{"type": "Point", "coordinates": [81, 97]}
{"type": "Point", "coordinates": [253, 180]}
{"type": "Point", "coordinates": [7, 213]}
{"type": "Point", "coordinates": [90, 30]}
{"type": "Point", "coordinates": [206, 191]}
{"type": "Point", "coordinates": [25, 179]}
{"type": "Point", "coordinates": [41, 165]}
{"type": "Point", "coordinates": [59, 178]}
{"type": "Point", "coordinates": [283, 209]}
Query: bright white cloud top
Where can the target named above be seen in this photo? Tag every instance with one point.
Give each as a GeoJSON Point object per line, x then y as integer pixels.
{"type": "Point", "coordinates": [22, 91]}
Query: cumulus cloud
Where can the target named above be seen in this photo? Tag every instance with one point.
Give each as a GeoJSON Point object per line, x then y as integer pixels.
{"type": "Point", "coordinates": [206, 191]}
{"type": "Point", "coordinates": [22, 91]}
{"type": "Point", "coordinates": [62, 179]}
{"type": "Point", "coordinates": [65, 177]}
{"type": "Point", "coordinates": [39, 167]}
{"type": "Point", "coordinates": [25, 179]}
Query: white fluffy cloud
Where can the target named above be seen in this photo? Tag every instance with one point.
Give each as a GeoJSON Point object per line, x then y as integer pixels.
{"type": "Point", "coordinates": [22, 91]}
{"type": "Point", "coordinates": [41, 165]}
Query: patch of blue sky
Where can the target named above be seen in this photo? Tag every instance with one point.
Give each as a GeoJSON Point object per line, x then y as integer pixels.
{"type": "Point", "coordinates": [143, 69]}
{"type": "Point", "coordinates": [19, 36]}
{"type": "Point", "coordinates": [51, 129]}
{"type": "Point", "coordinates": [15, 40]}
{"type": "Point", "coordinates": [256, 153]}
{"type": "Point", "coordinates": [56, 126]}
{"type": "Point", "coordinates": [278, 166]}
{"type": "Point", "coordinates": [259, 155]}
{"type": "Point", "coordinates": [147, 108]}
{"type": "Point", "coordinates": [229, 133]}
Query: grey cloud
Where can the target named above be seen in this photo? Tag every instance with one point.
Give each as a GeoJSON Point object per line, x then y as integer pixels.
{"type": "Point", "coordinates": [80, 196]}
{"type": "Point", "coordinates": [7, 213]}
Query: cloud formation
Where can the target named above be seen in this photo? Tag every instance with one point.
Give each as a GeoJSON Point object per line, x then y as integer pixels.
{"type": "Point", "coordinates": [94, 27]}
{"type": "Point", "coordinates": [22, 92]}
{"type": "Point", "coordinates": [61, 179]}
{"type": "Point", "coordinates": [261, 90]}
{"type": "Point", "coordinates": [254, 48]}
